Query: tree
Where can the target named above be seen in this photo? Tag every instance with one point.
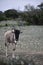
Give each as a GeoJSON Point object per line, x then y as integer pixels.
{"type": "Point", "coordinates": [11, 13]}
{"type": "Point", "coordinates": [2, 16]}
{"type": "Point", "coordinates": [29, 8]}
{"type": "Point", "coordinates": [41, 14]}
{"type": "Point", "coordinates": [41, 6]}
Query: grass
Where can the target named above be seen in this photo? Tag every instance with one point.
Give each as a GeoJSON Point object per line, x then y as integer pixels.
{"type": "Point", "coordinates": [11, 23]}
{"type": "Point", "coordinates": [6, 25]}
{"type": "Point", "coordinates": [32, 35]}
{"type": "Point", "coordinates": [22, 59]}
{"type": "Point", "coordinates": [16, 61]}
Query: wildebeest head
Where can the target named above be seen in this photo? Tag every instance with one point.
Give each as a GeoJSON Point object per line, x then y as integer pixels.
{"type": "Point", "coordinates": [17, 32]}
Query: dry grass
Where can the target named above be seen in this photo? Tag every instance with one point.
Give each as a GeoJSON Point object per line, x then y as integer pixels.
{"type": "Point", "coordinates": [22, 59]}
{"type": "Point", "coordinates": [30, 41]}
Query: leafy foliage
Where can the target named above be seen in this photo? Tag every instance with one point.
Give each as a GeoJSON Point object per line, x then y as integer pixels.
{"type": "Point", "coordinates": [2, 16]}
{"type": "Point", "coordinates": [32, 15]}
{"type": "Point", "coordinates": [11, 13]}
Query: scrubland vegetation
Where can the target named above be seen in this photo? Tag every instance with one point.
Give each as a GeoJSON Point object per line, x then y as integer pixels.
{"type": "Point", "coordinates": [30, 40]}
{"type": "Point", "coordinates": [32, 15]}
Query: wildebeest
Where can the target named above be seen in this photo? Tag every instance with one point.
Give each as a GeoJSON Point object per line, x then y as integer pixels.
{"type": "Point", "coordinates": [11, 36]}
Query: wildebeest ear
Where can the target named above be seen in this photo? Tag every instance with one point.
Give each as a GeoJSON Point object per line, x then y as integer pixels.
{"type": "Point", "coordinates": [21, 32]}
{"type": "Point", "coordinates": [13, 31]}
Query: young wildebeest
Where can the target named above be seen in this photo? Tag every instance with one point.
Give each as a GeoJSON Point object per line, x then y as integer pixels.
{"type": "Point", "coordinates": [11, 36]}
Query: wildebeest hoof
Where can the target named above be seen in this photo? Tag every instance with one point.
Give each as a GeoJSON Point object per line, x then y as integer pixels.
{"type": "Point", "coordinates": [13, 56]}
{"type": "Point", "coordinates": [14, 49]}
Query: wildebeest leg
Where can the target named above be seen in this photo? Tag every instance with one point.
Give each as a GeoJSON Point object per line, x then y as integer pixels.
{"type": "Point", "coordinates": [6, 52]}
{"type": "Point", "coordinates": [13, 56]}
{"type": "Point", "coordinates": [6, 47]}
